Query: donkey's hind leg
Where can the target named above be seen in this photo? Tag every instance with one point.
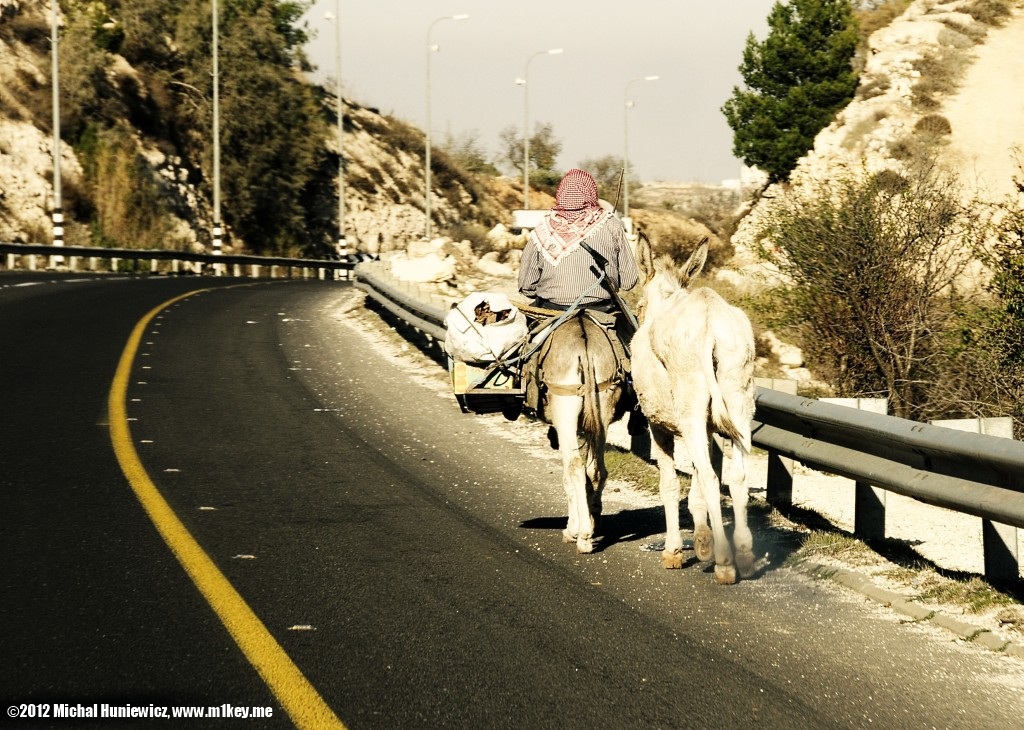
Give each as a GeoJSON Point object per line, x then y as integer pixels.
{"type": "Point", "coordinates": [597, 476]}
{"type": "Point", "coordinates": [663, 450]}
{"type": "Point", "coordinates": [564, 413]}
{"type": "Point", "coordinates": [742, 538]}
{"type": "Point", "coordinates": [705, 484]}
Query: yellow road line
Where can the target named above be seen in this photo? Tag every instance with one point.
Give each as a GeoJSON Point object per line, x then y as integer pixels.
{"type": "Point", "coordinates": [298, 697]}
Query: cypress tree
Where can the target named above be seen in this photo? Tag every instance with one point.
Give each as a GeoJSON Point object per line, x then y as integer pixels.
{"type": "Point", "coordinates": [796, 80]}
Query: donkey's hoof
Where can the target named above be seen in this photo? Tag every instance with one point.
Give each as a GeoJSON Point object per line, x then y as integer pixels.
{"type": "Point", "coordinates": [725, 575]}
{"type": "Point", "coordinates": [673, 560]}
{"type": "Point", "coordinates": [585, 545]}
{"type": "Point", "coordinates": [568, 537]}
{"type": "Point", "coordinates": [745, 563]}
{"type": "Point", "coordinates": [703, 543]}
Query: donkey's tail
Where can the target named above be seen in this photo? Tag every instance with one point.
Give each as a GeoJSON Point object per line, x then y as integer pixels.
{"type": "Point", "coordinates": [592, 421]}
{"type": "Point", "coordinates": [719, 410]}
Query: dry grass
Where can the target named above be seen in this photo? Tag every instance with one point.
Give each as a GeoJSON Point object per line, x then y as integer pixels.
{"type": "Point", "coordinates": [915, 578]}
{"type": "Point", "coordinates": [631, 468]}
{"type": "Point", "coordinates": [990, 12]}
{"type": "Point", "coordinates": [821, 544]}
{"type": "Point", "coordinates": [941, 74]}
{"type": "Point", "coordinates": [973, 594]}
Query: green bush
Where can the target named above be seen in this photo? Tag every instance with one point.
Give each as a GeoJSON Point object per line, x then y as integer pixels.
{"type": "Point", "coordinates": [873, 265]}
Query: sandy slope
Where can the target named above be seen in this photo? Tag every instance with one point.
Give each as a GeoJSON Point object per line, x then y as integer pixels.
{"type": "Point", "coordinates": [987, 113]}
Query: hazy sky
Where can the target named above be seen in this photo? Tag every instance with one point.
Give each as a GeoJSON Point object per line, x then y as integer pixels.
{"type": "Point", "coordinates": [676, 130]}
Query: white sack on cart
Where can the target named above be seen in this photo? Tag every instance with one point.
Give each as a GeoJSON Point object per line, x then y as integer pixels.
{"type": "Point", "coordinates": [469, 341]}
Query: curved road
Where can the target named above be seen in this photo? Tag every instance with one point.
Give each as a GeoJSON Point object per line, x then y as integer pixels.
{"type": "Point", "coordinates": [357, 550]}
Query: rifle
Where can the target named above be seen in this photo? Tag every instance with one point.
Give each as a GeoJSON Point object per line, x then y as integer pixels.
{"type": "Point", "coordinates": [618, 189]}
{"type": "Point", "coordinates": [602, 263]}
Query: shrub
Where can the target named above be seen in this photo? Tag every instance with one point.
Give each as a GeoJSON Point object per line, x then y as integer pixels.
{"type": "Point", "coordinates": [989, 12]}
{"type": "Point", "coordinates": [940, 74]}
{"type": "Point", "coordinates": [890, 181]}
{"type": "Point", "coordinates": [934, 125]}
{"type": "Point", "coordinates": [476, 234]}
{"type": "Point", "coordinates": [872, 264]}
{"type": "Point", "coordinates": [129, 204]}
{"type": "Point", "coordinates": [872, 86]}
{"type": "Point", "coordinates": [32, 30]}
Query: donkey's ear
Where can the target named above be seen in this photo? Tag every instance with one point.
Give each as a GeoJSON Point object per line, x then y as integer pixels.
{"type": "Point", "coordinates": [695, 263]}
{"type": "Point", "coordinates": [644, 258]}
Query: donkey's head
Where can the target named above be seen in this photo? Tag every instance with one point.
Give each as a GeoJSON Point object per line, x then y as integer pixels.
{"type": "Point", "coordinates": [663, 279]}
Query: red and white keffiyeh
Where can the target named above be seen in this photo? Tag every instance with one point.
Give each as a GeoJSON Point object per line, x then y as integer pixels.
{"type": "Point", "coordinates": [575, 216]}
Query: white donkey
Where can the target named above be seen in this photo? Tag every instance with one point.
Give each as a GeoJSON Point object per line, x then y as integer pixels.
{"type": "Point", "coordinates": [693, 365]}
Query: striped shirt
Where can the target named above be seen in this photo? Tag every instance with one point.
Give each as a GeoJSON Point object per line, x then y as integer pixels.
{"type": "Point", "coordinates": [577, 272]}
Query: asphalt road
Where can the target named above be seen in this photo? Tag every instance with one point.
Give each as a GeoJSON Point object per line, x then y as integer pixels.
{"type": "Point", "coordinates": [402, 557]}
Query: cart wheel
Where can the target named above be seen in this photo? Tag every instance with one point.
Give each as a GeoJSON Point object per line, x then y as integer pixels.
{"type": "Point", "coordinates": [512, 409]}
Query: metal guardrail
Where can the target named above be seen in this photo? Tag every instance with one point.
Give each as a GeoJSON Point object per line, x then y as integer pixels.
{"type": "Point", "coordinates": [14, 252]}
{"type": "Point", "coordinates": [408, 301]}
{"type": "Point", "coordinates": [964, 472]}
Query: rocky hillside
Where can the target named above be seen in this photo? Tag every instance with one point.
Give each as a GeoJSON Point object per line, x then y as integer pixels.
{"type": "Point", "coordinates": [942, 80]}
{"type": "Point", "coordinates": [384, 160]}
{"type": "Point", "coordinates": [940, 69]}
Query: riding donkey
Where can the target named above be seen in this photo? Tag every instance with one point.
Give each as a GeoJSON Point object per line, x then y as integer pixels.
{"type": "Point", "coordinates": [581, 379]}
{"type": "Point", "coordinates": [692, 366]}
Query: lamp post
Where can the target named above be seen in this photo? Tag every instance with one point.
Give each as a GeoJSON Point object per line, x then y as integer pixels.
{"type": "Point", "coordinates": [58, 205]}
{"type": "Point", "coordinates": [625, 150]}
{"type": "Point", "coordinates": [525, 83]}
{"type": "Point", "coordinates": [336, 18]}
{"type": "Point", "coordinates": [217, 230]}
{"type": "Point", "coordinates": [431, 49]}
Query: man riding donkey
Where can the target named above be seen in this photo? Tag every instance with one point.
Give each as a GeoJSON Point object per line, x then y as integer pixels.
{"type": "Point", "coordinates": [578, 258]}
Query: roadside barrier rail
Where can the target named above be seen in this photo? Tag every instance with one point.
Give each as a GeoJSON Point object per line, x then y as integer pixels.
{"type": "Point", "coordinates": [408, 301]}
{"type": "Point", "coordinates": [969, 473]}
{"type": "Point", "coordinates": [72, 257]}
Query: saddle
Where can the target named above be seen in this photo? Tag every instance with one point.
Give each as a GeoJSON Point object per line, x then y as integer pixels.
{"type": "Point", "coordinates": [535, 391]}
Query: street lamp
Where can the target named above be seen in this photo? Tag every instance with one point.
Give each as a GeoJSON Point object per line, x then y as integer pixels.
{"type": "Point", "coordinates": [217, 230]}
{"type": "Point", "coordinates": [625, 151]}
{"type": "Point", "coordinates": [336, 18]}
{"type": "Point", "coordinates": [525, 83]}
{"type": "Point", "coordinates": [58, 211]}
{"type": "Point", "coordinates": [431, 48]}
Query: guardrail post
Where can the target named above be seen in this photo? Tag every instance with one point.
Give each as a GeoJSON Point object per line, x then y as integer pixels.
{"type": "Point", "coordinates": [153, 266]}
{"type": "Point", "coordinates": [72, 263]}
{"type": "Point", "coordinates": [1002, 552]}
{"type": "Point", "coordinates": [10, 261]}
{"type": "Point", "coordinates": [779, 486]}
{"type": "Point", "coordinates": [31, 262]}
{"type": "Point", "coordinates": [254, 271]}
{"type": "Point", "coordinates": [779, 489]}
{"type": "Point", "coordinates": [868, 512]}
{"type": "Point", "coordinates": [92, 263]}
